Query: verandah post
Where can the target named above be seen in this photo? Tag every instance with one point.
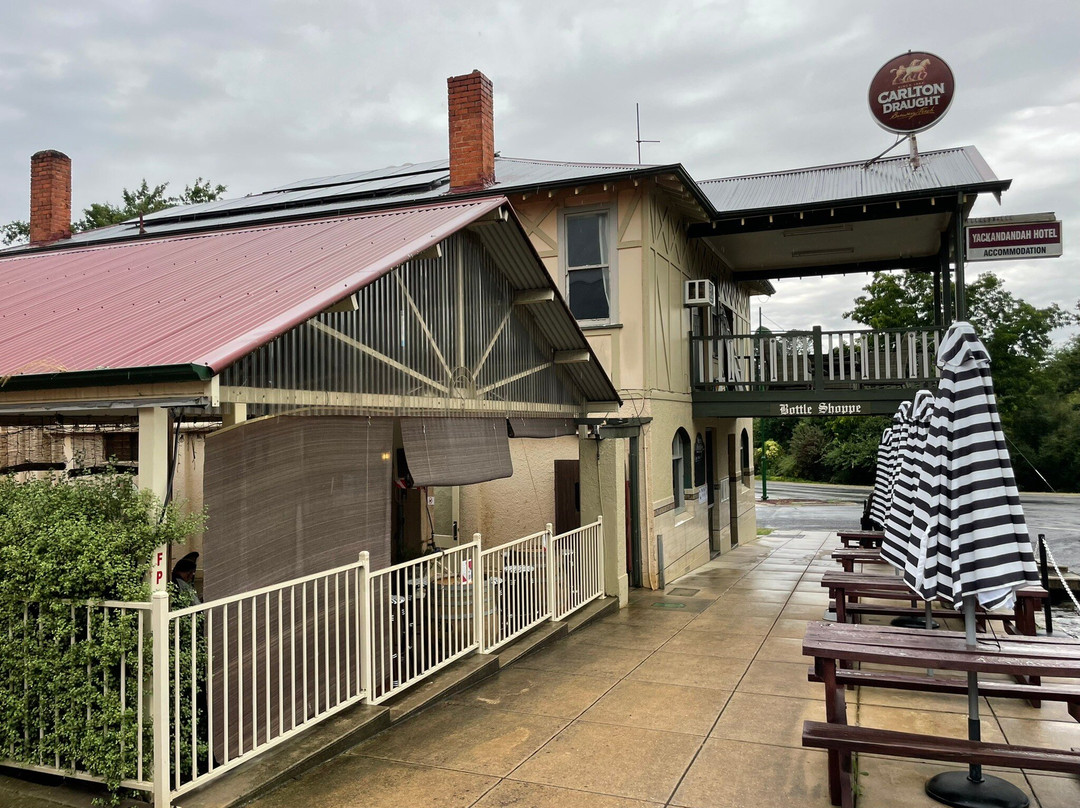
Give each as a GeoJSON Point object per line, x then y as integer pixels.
{"type": "Point", "coordinates": [159, 695]}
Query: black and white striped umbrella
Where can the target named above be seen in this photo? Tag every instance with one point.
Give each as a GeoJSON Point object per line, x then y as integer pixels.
{"type": "Point", "coordinates": [896, 448]}
{"type": "Point", "coordinates": [975, 542]}
{"type": "Point", "coordinates": [900, 529]}
{"type": "Point", "coordinates": [975, 548]}
{"type": "Point", "coordinates": [882, 478]}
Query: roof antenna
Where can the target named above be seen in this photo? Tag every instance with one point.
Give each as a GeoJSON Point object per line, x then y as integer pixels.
{"type": "Point", "coordinates": [637, 109]}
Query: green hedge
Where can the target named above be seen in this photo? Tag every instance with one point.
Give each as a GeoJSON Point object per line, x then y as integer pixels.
{"type": "Point", "coordinates": [65, 667]}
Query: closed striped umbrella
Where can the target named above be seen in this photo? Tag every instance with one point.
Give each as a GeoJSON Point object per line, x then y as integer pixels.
{"type": "Point", "coordinates": [879, 497]}
{"type": "Point", "coordinates": [975, 548]}
{"type": "Point", "coordinates": [976, 541]}
{"type": "Point", "coordinates": [896, 448]}
{"type": "Point", "coordinates": [900, 525]}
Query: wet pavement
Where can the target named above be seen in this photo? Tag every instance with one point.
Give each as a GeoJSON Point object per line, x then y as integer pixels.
{"type": "Point", "coordinates": [692, 697]}
{"type": "Point", "coordinates": [817, 506]}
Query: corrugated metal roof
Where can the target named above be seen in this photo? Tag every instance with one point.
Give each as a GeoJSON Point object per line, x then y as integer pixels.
{"type": "Point", "coordinates": [205, 299]}
{"type": "Point", "coordinates": [409, 184]}
{"type": "Point", "coordinates": [210, 298]}
{"type": "Point", "coordinates": [947, 169]}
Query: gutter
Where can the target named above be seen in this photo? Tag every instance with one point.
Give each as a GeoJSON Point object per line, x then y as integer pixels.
{"type": "Point", "coordinates": [107, 377]}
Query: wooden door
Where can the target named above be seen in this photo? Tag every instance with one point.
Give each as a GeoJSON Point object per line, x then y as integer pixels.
{"type": "Point", "coordinates": [567, 495]}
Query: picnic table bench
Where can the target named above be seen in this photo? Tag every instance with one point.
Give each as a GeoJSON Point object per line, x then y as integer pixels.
{"type": "Point", "coordinates": [834, 644]}
{"type": "Point", "coordinates": [850, 556]}
{"type": "Point", "coordinates": [861, 538]}
{"type": "Point", "coordinates": [848, 588]}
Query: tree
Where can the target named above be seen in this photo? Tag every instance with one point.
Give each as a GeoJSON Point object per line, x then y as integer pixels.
{"type": "Point", "coordinates": [145, 199]}
{"type": "Point", "coordinates": [1045, 435]}
{"type": "Point", "coordinates": [899, 300]}
{"type": "Point", "coordinates": [15, 232]}
{"type": "Point", "coordinates": [1036, 388]}
{"type": "Point", "coordinates": [1016, 333]}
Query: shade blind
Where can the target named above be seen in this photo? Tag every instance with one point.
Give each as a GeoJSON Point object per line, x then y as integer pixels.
{"type": "Point", "coordinates": [294, 495]}
{"type": "Point", "coordinates": [456, 451]}
{"type": "Point", "coordinates": [541, 427]}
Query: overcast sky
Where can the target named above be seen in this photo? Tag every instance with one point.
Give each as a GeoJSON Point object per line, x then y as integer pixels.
{"type": "Point", "coordinates": [257, 94]}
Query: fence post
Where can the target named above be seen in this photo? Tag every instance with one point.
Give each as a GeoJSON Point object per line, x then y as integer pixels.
{"type": "Point", "coordinates": [363, 595]}
{"type": "Point", "coordinates": [1044, 573]}
{"type": "Point", "coordinates": [549, 541]}
{"type": "Point", "coordinates": [159, 695]}
{"type": "Point", "coordinates": [601, 555]}
{"type": "Point", "coordinates": [478, 593]}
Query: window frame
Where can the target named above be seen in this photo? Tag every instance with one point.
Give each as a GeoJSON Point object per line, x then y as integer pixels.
{"type": "Point", "coordinates": [679, 468]}
{"type": "Point", "coordinates": [612, 226]}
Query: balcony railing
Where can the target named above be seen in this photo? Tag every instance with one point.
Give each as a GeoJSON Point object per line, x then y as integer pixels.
{"type": "Point", "coordinates": [817, 360]}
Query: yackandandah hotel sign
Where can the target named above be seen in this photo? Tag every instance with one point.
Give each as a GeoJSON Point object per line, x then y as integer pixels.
{"type": "Point", "coordinates": [911, 92]}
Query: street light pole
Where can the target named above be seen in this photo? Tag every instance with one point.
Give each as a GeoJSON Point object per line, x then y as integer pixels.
{"type": "Point", "coordinates": [764, 464]}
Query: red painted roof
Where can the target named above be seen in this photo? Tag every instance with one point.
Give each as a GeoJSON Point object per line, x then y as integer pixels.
{"type": "Point", "coordinates": [204, 299]}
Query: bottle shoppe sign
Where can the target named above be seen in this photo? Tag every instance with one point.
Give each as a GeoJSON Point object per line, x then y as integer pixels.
{"type": "Point", "coordinates": [911, 92]}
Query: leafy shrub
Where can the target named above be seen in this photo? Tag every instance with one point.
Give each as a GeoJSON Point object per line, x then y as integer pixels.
{"type": "Point", "coordinates": [69, 684]}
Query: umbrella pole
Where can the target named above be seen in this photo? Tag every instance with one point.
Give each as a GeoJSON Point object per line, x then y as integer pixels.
{"type": "Point", "coordinates": [971, 789]}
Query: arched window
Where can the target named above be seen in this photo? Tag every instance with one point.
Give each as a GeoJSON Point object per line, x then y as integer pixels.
{"type": "Point", "coordinates": [681, 460]}
{"type": "Point", "coordinates": [745, 454]}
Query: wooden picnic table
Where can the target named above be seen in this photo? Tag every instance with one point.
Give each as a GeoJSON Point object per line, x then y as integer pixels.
{"type": "Point", "coordinates": [861, 538]}
{"type": "Point", "coordinates": [850, 556]}
{"type": "Point", "coordinates": [834, 645]}
{"type": "Point", "coordinates": [849, 587]}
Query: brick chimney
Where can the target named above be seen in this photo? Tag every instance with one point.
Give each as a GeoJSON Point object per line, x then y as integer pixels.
{"type": "Point", "coordinates": [472, 132]}
{"type": "Point", "coordinates": [50, 197]}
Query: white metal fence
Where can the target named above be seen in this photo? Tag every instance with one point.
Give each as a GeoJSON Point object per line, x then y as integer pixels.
{"type": "Point", "coordinates": [577, 569]}
{"type": "Point", "coordinates": [515, 576]}
{"type": "Point", "coordinates": [423, 618]}
{"type": "Point", "coordinates": [251, 670]}
{"type": "Point", "coordinates": [204, 688]}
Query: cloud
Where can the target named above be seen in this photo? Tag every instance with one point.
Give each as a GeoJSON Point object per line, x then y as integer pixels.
{"type": "Point", "coordinates": [255, 95]}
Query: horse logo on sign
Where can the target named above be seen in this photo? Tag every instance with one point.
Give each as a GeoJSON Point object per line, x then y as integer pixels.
{"type": "Point", "coordinates": [916, 71]}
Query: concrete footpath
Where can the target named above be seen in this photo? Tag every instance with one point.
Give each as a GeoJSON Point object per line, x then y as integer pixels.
{"type": "Point", "coordinates": [693, 697]}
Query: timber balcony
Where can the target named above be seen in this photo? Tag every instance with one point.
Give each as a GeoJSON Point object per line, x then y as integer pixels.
{"type": "Point", "coordinates": [797, 373]}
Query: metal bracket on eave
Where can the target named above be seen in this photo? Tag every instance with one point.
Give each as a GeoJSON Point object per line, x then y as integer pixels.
{"type": "Point", "coordinates": [527, 297]}
{"type": "Point", "coordinates": [498, 216]}
{"type": "Point", "coordinates": [570, 357]}
{"type": "Point", "coordinates": [432, 253]}
{"type": "Point", "coordinates": [350, 303]}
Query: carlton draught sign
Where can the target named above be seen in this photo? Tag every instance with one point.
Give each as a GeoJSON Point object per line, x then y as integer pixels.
{"type": "Point", "coordinates": [911, 93]}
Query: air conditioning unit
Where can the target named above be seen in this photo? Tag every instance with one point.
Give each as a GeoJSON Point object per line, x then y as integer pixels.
{"type": "Point", "coordinates": [699, 293]}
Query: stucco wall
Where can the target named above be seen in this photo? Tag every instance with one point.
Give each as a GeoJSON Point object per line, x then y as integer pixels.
{"type": "Point", "coordinates": [507, 509]}
{"type": "Point", "coordinates": [647, 355]}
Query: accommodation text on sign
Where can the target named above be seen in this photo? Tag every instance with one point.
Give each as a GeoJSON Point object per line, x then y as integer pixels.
{"type": "Point", "coordinates": [1017, 239]}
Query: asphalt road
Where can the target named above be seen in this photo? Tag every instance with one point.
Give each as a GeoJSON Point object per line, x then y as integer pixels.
{"type": "Point", "coordinates": [831, 507]}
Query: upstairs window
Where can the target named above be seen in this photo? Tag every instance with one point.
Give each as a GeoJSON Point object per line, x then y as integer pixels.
{"type": "Point", "coordinates": [588, 266]}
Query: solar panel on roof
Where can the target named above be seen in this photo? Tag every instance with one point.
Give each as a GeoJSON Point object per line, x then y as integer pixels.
{"type": "Point", "coordinates": [364, 176]}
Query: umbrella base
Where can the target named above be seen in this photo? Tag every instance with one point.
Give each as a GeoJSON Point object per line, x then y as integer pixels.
{"type": "Point", "coordinates": [956, 789]}
{"type": "Point", "coordinates": [913, 622]}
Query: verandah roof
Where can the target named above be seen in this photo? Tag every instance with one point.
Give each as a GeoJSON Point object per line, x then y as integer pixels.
{"type": "Point", "coordinates": [199, 302]}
